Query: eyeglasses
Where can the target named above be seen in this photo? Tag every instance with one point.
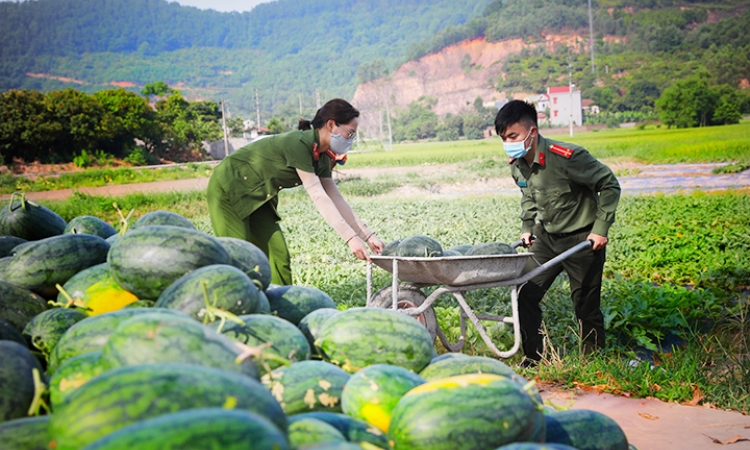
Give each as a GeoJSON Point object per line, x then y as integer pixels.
{"type": "Point", "coordinates": [350, 135]}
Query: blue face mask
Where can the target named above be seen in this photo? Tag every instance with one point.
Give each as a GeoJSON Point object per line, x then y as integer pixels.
{"type": "Point", "coordinates": [340, 145]}
{"type": "Point", "coordinates": [517, 149]}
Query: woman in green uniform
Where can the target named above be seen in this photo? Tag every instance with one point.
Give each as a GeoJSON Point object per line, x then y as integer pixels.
{"type": "Point", "coordinates": [243, 190]}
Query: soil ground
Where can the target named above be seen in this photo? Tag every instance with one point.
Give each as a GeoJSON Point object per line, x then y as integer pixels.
{"type": "Point", "coordinates": [648, 423]}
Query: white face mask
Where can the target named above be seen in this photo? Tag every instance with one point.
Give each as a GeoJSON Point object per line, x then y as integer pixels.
{"type": "Point", "coordinates": [339, 144]}
{"type": "Point", "coordinates": [517, 149]}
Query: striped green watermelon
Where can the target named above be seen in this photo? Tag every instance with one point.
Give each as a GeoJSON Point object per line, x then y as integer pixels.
{"type": "Point", "coordinates": [18, 306]}
{"type": "Point", "coordinates": [462, 248]}
{"type": "Point", "coordinates": [391, 247]}
{"type": "Point", "coordinates": [293, 303]}
{"type": "Point", "coordinates": [90, 225]}
{"type": "Point", "coordinates": [72, 374]}
{"type": "Point", "coordinates": [574, 428]}
{"type": "Point", "coordinates": [354, 430]}
{"type": "Point", "coordinates": [162, 338]}
{"type": "Point", "coordinates": [248, 258]}
{"type": "Point", "coordinates": [307, 386]}
{"type": "Point", "coordinates": [147, 260]}
{"type": "Point", "coordinates": [92, 333]}
{"type": "Point", "coordinates": [16, 380]}
{"type": "Point", "coordinates": [311, 324]}
{"type": "Point", "coordinates": [167, 218]}
{"type": "Point", "coordinates": [451, 253]}
{"type": "Point", "coordinates": [96, 291]}
{"type": "Point", "coordinates": [285, 340]}
{"type": "Point", "coordinates": [464, 365]}
{"type": "Point", "coordinates": [28, 220]}
{"type": "Point", "coordinates": [203, 428]}
{"type": "Point", "coordinates": [419, 246]}
{"type": "Point", "coordinates": [491, 248]}
{"type": "Point", "coordinates": [47, 327]}
{"type": "Point", "coordinates": [359, 337]}
{"type": "Point", "coordinates": [535, 446]}
{"type": "Point", "coordinates": [120, 397]}
{"type": "Point", "coordinates": [372, 393]}
{"type": "Point", "coordinates": [29, 433]}
{"type": "Point", "coordinates": [8, 243]}
{"type": "Point", "coordinates": [307, 431]}
{"type": "Point", "coordinates": [475, 411]}
{"type": "Point", "coordinates": [228, 288]}
{"type": "Point", "coordinates": [4, 263]}
{"type": "Point", "coordinates": [263, 306]}
{"type": "Point", "coordinates": [42, 264]}
{"type": "Point", "coordinates": [9, 333]}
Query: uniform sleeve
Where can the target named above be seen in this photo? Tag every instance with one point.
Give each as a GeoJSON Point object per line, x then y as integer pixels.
{"type": "Point", "coordinates": [363, 231]}
{"type": "Point", "coordinates": [326, 207]}
{"type": "Point", "coordinates": [586, 170]}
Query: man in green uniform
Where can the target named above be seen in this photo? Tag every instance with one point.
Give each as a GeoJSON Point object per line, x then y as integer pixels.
{"type": "Point", "coordinates": [242, 193]}
{"type": "Point", "coordinates": [568, 196]}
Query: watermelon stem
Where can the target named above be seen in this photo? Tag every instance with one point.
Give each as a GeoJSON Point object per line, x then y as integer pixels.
{"type": "Point", "coordinates": [211, 312]}
{"type": "Point", "coordinates": [77, 302]}
{"type": "Point", "coordinates": [259, 355]}
{"type": "Point", "coordinates": [39, 389]}
{"type": "Point", "coordinates": [124, 221]}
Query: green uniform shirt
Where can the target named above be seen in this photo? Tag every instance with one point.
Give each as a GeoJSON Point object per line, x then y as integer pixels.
{"type": "Point", "coordinates": [566, 189]}
{"type": "Point", "coordinates": [254, 174]}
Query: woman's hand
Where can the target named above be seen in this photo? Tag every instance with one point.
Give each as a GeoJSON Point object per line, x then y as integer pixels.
{"type": "Point", "coordinates": [376, 245]}
{"type": "Point", "coordinates": [358, 248]}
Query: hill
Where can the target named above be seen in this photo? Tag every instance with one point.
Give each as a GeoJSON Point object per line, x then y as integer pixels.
{"type": "Point", "coordinates": [285, 48]}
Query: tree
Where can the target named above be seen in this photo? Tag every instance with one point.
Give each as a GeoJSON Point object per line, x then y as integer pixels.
{"type": "Point", "coordinates": [275, 126]}
{"type": "Point", "coordinates": [126, 117]}
{"type": "Point", "coordinates": [79, 117]}
{"type": "Point", "coordinates": [687, 103]}
{"type": "Point", "coordinates": [473, 126]}
{"type": "Point", "coordinates": [25, 129]}
{"type": "Point", "coordinates": [157, 89]}
{"type": "Point", "coordinates": [641, 95]}
{"type": "Point", "coordinates": [418, 121]}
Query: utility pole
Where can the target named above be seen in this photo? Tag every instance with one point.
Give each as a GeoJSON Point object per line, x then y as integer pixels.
{"type": "Point", "coordinates": [390, 132]}
{"type": "Point", "coordinates": [224, 126]}
{"type": "Point", "coordinates": [300, 105]}
{"type": "Point", "coordinates": [570, 92]}
{"type": "Point", "coordinates": [257, 110]}
{"type": "Point", "coordinates": [591, 37]}
{"type": "Point", "coordinates": [317, 98]}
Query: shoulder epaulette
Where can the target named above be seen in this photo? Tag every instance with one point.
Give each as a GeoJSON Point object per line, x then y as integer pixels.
{"type": "Point", "coordinates": [560, 150]}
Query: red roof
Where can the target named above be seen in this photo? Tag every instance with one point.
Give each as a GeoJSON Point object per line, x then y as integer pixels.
{"type": "Point", "coordinates": [586, 102]}
{"type": "Point", "coordinates": [558, 89]}
{"type": "Point", "coordinates": [541, 115]}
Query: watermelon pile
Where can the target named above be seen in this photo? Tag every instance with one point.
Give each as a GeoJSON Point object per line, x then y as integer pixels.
{"type": "Point", "coordinates": [426, 247]}
{"type": "Point", "coordinates": [166, 337]}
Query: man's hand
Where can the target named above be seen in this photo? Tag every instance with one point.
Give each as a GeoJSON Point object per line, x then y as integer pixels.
{"type": "Point", "coordinates": [358, 248]}
{"type": "Point", "coordinates": [526, 240]}
{"type": "Point", "coordinates": [599, 241]}
{"type": "Point", "coordinates": [376, 245]}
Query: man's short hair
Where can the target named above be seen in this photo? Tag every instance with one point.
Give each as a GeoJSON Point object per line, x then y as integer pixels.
{"type": "Point", "coordinates": [513, 112]}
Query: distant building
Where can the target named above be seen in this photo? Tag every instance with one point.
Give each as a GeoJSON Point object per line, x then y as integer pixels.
{"type": "Point", "coordinates": [589, 107]}
{"type": "Point", "coordinates": [542, 103]}
{"type": "Point", "coordinates": [561, 100]}
{"type": "Point", "coordinates": [255, 132]}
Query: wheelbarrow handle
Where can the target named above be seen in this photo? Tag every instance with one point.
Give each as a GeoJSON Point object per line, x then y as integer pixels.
{"type": "Point", "coordinates": [556, 260]}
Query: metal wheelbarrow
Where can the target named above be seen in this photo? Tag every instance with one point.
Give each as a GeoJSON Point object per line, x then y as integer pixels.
{"type": "Point", "coordinates": [457, 275]}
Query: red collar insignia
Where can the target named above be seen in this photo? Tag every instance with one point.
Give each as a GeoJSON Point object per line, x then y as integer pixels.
{"type": "Point", "coordinates": [540, 158]}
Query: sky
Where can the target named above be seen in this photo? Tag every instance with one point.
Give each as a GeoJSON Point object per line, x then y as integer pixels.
{"type": "Point", "coordinates": [223, 5]}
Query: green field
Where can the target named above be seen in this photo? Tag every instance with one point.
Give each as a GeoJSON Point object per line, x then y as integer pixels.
{"type": "Point", "coordinates": [647, 146]}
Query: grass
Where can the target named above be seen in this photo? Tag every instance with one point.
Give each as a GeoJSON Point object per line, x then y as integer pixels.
{"type": "Point", "coordinates": [101, 177]}
{"type": "Point", "coordinates": [678, 270]}
{"type": "Point", "coordinates": [648, 146]}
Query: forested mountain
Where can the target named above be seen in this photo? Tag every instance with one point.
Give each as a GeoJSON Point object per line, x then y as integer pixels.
{"type": "Point", "coordinates": [285, 48]}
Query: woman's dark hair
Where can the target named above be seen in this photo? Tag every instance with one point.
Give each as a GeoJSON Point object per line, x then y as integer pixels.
{"type": "Point", "coordinates": [514, 112]}
{"type": "Point", "coordinates": [338, 110]}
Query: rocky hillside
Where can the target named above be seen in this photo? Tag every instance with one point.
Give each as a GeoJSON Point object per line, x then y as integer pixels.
{"type": "Point", "coordinates": [455, 76]}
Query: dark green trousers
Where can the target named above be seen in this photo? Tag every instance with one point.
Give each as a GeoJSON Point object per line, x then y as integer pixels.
{"type": "Point", "coordinates": [585, 272]}
{"type": "Point", "coordinates": [260, 228]}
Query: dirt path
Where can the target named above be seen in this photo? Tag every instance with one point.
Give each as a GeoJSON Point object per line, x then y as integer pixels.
{"type": "Point", "coordinates": [642, 179]}
{"type": "Point", "coordinates": [655, 425]}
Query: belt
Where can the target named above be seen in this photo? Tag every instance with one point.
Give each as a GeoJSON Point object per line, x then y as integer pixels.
{"type": "Point", "coordinates": [564, 235]}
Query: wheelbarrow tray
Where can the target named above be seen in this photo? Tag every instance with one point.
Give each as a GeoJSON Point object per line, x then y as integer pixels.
{"type": "Point", "coordinates": [455, 270]}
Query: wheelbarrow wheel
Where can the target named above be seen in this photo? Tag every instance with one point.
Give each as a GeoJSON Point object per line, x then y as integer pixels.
{"type": "Point", "coordinates": [409, 296]}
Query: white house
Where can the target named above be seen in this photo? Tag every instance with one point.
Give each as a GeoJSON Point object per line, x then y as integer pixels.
{"type": "Point", "coordinates": [542, 103]}
{"type": "Point", "coordinates": [564, 106]}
